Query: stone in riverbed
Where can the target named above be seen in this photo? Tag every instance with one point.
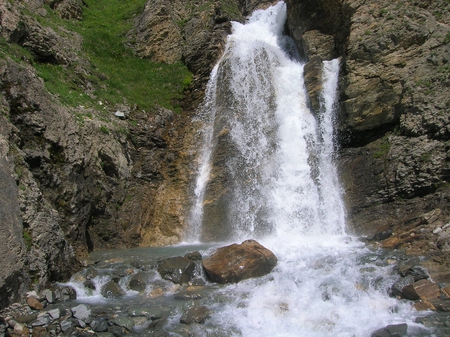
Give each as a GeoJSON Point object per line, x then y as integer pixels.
{"type": "Point", "coordinates": [397, 330]}
{"type": "Point", "coordinates": [396, 289]}
{"type": "Point", "coordinates": [99, 325]}
{"type": "Point", "coordinates": [112, 290]}
{"type": "Point", "coordinates": [138, 281]}
{"type": "Point", "coordinates": [34, 303]}
{"type": "Point", "coordinates": [124, 322]}
{"type": "Point", "coordinates": [177, 269]}
{"type": "Point", "coordinates": [81, 312]}
{"type": "Point", "coordinates": [423, 289]}
{"type": "Point", "coordinates": [195, 315]}
{"type": "Point", "coordinates": [235, 263]}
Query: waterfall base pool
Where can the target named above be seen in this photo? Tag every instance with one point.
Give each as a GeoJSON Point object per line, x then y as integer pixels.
{"type": "Point", "coordinates": [323, 286]}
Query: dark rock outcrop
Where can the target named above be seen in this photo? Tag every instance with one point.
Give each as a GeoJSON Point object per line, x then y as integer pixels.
{"type": "Point", "coordinates": [234, 263]}
{"type": "Point", "coordinates": [393, 120]}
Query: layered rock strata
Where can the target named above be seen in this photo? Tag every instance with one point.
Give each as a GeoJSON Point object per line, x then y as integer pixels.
{"type": "Point", "coordinates": [393, 118]}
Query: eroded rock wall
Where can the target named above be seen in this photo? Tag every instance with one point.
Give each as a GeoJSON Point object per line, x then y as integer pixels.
{"type": "Point", "coordinates": [394, 110]}
{"type": "Point", "coordinates": [75, 180]}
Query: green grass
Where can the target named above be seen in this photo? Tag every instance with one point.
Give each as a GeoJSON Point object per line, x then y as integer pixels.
{"type": "Point", "coordinates": [383, 149]}
{"type": "Point", "coordinates": [27, 238]}
{"type": "Point", "coordinates": [117, 76]}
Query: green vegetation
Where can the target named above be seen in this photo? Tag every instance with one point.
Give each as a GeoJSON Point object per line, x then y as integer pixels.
{"type": "Point", "coordinates": [104, 129]}
{"type": "Point", "coordinates": [446, 38]}
{"type": "Point", "coordinates": [115, 75]}
{"type": "Point", "coordinates": [383, 149]}
{"type": "Point", "coordinates": [425, 157]}
{"type": "Point", "coordinates": [27, 239]}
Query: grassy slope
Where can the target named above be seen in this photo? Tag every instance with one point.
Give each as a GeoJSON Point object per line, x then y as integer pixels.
{"type": "Point", "coordinates": [116, 75]}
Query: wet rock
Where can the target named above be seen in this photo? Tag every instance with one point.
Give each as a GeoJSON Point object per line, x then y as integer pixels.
{"type": "Point", "coordinates": [152, 313]}
{"type": "Point", "coordinates": [65, 294]}
{"type": "Point", "coordinates": [99, 325]}
{"type": "Point", "coordinates": [91, 273]}
{"type": "Point", "coordinates": [176, 269]}
{"type": "Point", "coordinates": [442, 304]}
{"type": "Point", "coordinates": [138, 281]}
{"type": "Point", "coordinates": [423, 289]}
{"type": "Point", "coordinates": [194, 256]}
{"type": "Point", "coordinates": [235, 263]}
{"type": "Point", "coordinates": [105, 334]}
{"type": "Point", "coordinates": [195, 315]}
{"type": "Point", "coordinates": [89, 284]}
{"type": "Point", "coordinates": [411, 268]}
{"type": "Point", "coordinates": [398, 330]}
{"type": "Point", "coordinates": [184, 296]}
{"type": "Point", "coordinates": [124, 322]}
{"type": "Point", "coordinates": [313, 81]}
{"type": "Point", "coordinates": [423, 306]}
{"type": "Point", "coordinates": [112, 290]}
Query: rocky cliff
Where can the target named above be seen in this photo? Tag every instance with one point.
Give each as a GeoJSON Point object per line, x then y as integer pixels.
{"type": "Point", "coordinates": [394, 113]}
{"type": "Point", "coordinates": [83, 169]}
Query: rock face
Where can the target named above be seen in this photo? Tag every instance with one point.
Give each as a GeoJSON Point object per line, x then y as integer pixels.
{"type": "Point", "coordinates": [393, 120]}
{"type": "Point", "coordinates": [73, 180]}
{"type": "Point", "coordinates": [234, 263]}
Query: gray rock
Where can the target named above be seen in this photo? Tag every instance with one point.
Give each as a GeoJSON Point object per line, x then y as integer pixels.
{"type": "Point", "coordinates": [49, 295]}
{"type": "Point", "coordinates": [54, 313]}
{"type": "Point", "coordinates": [124, 322]}
{"type": "Point", "coordinates": [138, 281]}
{"type": "Point", "coordinates": [396, 288]}
{"type": "Point", "coordinates": [398, 330]}
{"type": "Point", "coordinates": [66, 294]}
{"type": "Point", "coordinates": [65, 325]}
{"type": "Point", "coordinates": [81, 312]}
{"type": "Point", "coordinates": [195, 315]}
{"type": "Point", "coordinates": [112, 290]}
{"type": "Point", "coordinates": [42, 319]}
{"type": "Point", "coordinates": [99, 325]}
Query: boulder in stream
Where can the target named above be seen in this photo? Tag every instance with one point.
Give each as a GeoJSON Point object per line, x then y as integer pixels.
{"type": "Point", "coordinates": [235, 262]}
{"type": "Point", "coordinates": [177, 269]}
{"type": "Point", "coordinates": [396, 330]}
{"type": "Point", "coordinates": [423, 289]}
{"type": "Point", "coordinates": [195, 315]}
{"type": "Point", "coordinates": [112, 290]}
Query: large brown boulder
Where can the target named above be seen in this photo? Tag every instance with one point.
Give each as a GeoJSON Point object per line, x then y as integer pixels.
{"type": "Point", "coordinates": [235, 263]}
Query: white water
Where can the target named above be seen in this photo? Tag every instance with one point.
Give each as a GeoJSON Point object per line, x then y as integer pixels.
{"type": "Point", "coordinates": [285, 191]}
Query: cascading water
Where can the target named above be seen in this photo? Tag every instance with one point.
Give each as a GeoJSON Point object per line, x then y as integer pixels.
{"type": "Point", "coordinates": [267, 172]}
{"type": "Point", "coordinates": [273, 162]}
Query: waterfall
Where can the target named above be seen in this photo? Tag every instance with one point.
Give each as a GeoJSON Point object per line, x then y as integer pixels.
{"type": "Point", "coordinates": [266, 166]}
{"type": "Point", "coordinates": [267, 172]}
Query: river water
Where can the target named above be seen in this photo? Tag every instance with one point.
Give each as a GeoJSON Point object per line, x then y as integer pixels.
{"type": "Point", "coordinates": [282, 190]}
